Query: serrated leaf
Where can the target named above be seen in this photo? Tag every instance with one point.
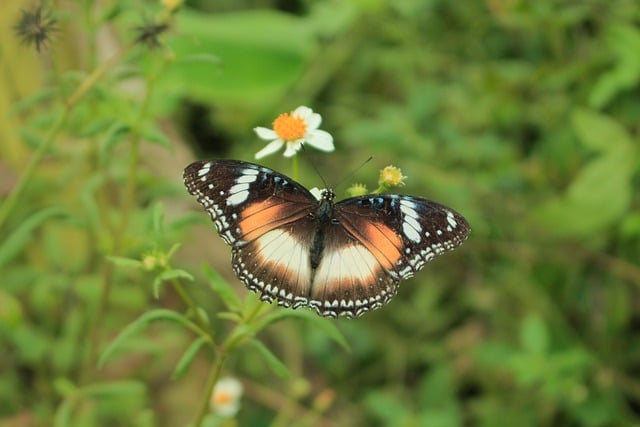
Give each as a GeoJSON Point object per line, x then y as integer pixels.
{"type": "Point", "coordinates": [128, 263]}
{"type": "Point", "coordinates": [188, 356]}
{"type": "Point", "coordinates": [223, 289]}
{"type": "Point", "coordinates": [15, 242]}
{"type": "Point", "coordinates": [278, 367]}
{"type": "Point", "coordinates": [141, 323]}
{"type": "Point", "coordinates": [326, 325]}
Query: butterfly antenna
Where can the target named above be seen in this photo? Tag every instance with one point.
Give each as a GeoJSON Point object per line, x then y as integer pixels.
{"type": "Point", "coordinates": [313, 165]}
{"type": "Point", "coordinates": [315, 168]}
{"type": "Point", "coordinates": [355, 171]}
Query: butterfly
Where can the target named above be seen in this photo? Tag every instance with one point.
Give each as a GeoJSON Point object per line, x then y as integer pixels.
{"type": "Point", "coordinates": [341, 259]}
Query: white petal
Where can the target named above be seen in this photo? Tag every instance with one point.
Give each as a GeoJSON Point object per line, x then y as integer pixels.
{"type": "Point", "coordinates": [228, 410]}
{"type": "Point", "coordinates": [265, 133]}
{"type": "Point", "coordinates": [313, 121]}
{"type": "Point", "coordinates": [271, 148]}
{"type": "Point", "coordinates": [231, 386]}
{"type": "Point", "coordinates": [321, 140]}
{"type": "Point", "coordinates": [303, 112]}
{"type": "Point", "coordinates": [292, 148]}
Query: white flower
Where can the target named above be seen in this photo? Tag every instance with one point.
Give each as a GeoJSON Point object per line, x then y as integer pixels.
{"type": "Point", "coordinates": [295, 128]}
{"type": "Point", "coordinates": [225, 399]}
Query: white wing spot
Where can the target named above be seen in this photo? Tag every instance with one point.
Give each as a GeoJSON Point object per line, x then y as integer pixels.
{"type": "Point", "coordinates": [410, 225]}
{"type": "Point", "coordinates": [451, 219]}
{"type": "Point", "coordinates": [246, 179]}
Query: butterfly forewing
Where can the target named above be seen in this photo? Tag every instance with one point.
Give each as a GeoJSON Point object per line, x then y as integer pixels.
{"type": "Point", "coordinates": [341, 260]}
{"type": "Point", "coordinates": [246, 200]}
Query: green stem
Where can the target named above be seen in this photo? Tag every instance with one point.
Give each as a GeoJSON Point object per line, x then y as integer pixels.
{"type": "Point", "coordinates": [128, 197]}
{"type": "Point", "coordinates": [188, 301]}
{"type": "Point", "coordinates": [295, 167]}
{"type": "Point", "coordinates": [214, 376]}
{"type": "Point", "coordinates": [13, 197]}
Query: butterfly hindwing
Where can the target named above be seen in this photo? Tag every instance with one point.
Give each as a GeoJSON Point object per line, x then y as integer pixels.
{"type": "Point", "coordinates": [349, 280]}
{"type": "Point", "coordinates": [277, 264]}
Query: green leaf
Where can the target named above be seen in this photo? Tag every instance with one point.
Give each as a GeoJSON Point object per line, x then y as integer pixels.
{"type": "Point", "coordinates": [598, 197]}
{"type": "Point", "coordinates": [223, 289]}
{"type": "Point", "coordinates": [202, 313]}
{"type": "Point", "coordinates": [63, 415]}
{"type": "Point", "coordinates": [326, 325]}
{"type": "Point", "coordinates": [115, 135]}
{"type": "Point", "coordinates": [168, 275]}
{"type": "Point", "coordinates": [117, 389]}
{"type": "Point", "coordinates": [386, 407]}
{"type": "Point", "coordinates": [599, 132]}
{"type": "Point", "coordinates": [140, 324]}
{"type": "Point", "coordinates": [96, 127]}
{"type": "Point", "coordinates": [157, 219]}
{"type": "Point", "coordinates": [15, 242]}
{"type": "Point", "coordinates": [278, 367]}
{"type": "Point", "coordinates": [155, 136]}
{"type": "Point", "coordinates": [238, 336]}
{"type": "Point", "coordinates": [173, 250]}
{"type": "Point", "coordinates": [202, 57]}
{"type": "Point", "coordinates": [127, 263]}
{"type": "Point", "coordinates": [188, 356]}
{"type": "Point", "coordinates": [25, 104]}
{"type": "Point", "coordinates": [229, 315]}
{"type": "Point", "coordinates": [534, 335]}
{"type": "Point", "coordinates": [258, 64]}
{"type": "Point", "coordinates": [176, 273]}
{"type": "Point", "coordinates": [624, 42]}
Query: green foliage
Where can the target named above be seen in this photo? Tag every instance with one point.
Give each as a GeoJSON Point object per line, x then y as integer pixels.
{"type": "Point", "coordinates": [520, 115]}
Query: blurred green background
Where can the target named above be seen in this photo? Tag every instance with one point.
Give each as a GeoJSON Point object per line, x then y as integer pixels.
{"type": "Point", "coordinates": [521, 115]}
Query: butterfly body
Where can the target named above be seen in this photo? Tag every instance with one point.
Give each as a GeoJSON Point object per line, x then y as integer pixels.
{"type": "Point", "coordinates": [342, 258]}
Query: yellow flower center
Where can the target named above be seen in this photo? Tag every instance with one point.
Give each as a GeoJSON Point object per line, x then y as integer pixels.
{"type": "Point", "coordinates": [222, 398]}
{"type": "Point", "coordinates": [289, 127]}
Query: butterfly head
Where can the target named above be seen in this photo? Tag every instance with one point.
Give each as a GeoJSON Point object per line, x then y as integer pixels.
{"type": "Point", "coordinates": [323, 195]}
{"type": "Point", "coordinates": [327, 195]}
